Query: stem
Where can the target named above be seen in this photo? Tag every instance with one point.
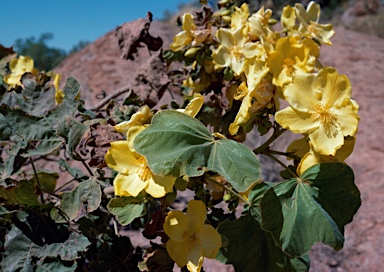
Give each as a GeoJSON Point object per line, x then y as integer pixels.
{"type": "Point", "coordinates": [282, 164]}
{"type": "Point", "coordinates": [276, 134]}
{"type": "Point", "coordinates": [65, 184]}
{"type": "Point", "coordinates": [37, 179]}
{"type": "Point", "coordinates": [230, 190]}
{"type": "Point", "coordinates": [85, 165]}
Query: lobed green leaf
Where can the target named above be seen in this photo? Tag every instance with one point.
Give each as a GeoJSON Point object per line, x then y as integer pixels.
{"type": "Point", "coordinates": [301, 212]}
{"type": "Point", "coordinates": [177, 144]}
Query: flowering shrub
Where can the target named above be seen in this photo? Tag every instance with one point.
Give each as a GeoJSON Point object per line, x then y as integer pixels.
{"type": "Point", "coordinates": [237, 73]}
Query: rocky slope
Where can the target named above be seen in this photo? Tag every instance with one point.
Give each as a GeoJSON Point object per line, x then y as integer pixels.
{"type": "Point", "coordinates": [100, 71]}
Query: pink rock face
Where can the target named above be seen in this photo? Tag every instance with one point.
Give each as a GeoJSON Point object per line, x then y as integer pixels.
{"type": "Point", "coordinates": [100, 71]}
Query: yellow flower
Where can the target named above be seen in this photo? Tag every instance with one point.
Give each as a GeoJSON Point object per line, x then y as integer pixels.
{"type": "Point", "coordinates": [190, 34]}
{"type": "Point", "coordinates": [59, 94]}
{"type": "Point", "coordinates": [288, 18]}
{"type": "Point", "coordinates": [291, 57]}
{"type": "Point", "coordinates": [134, 174]}
{"type": "Point", "coordinates": [309, 23]}
{"type": "Point", "coordinates": [259, 24]}
{"type": "Point", "coordinates": [18, 68]}
{"type": "Point", "coordinates": [143, 117]}
{"type": "Point", "coordinates": [252, 102]}
{"type": "Point", "coordinates": [190, 239]}
{"type": "Point", "coordinates": [239, 17]}
{"type": "Point", "coordinates": [321, 107]}
{"type": "Point", "coordinates": [194, 105]}
{"type": "Point", "coordinates": [311, 157]}
{"type": "Point", "coordinates": [229, 53]}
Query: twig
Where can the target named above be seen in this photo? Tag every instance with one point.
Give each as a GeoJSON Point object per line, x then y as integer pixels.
{"type": "Point", "coordinates": [37, 179]}
{"type": "Point", "coordinates": [230, 190]}
{"type": "Point", "coordinates": [110, 97]}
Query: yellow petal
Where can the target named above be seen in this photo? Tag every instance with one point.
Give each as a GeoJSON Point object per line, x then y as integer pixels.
{"type": "Point", "coordinates": [159, 186]}
{"type": "Point", "coordinates": [307, 161]}
{"type": "Point", "coordinates": [178, 251]}
{"type": "Point", "coordinates": [301, 94]}
{"type": "Point", "coordinates": [194, 105]}
{"type": "Point", "coordinates": [120, 158]}
{"type": "Point", "coordinates": [297, 122]}
{"type": "Point", "coordinates": [288, 17]}
{"type": "Point", "coordinates": [327, 140]}
{"type": "Point", "coordinates": [175, 225]}
{"type": "Point", "coordinates": [128, 185]}
{"type": "Point", "coordinates": [332, 85]}
{"type": "Point", "coordinates": [348, 119]}
{"type": "Point", "coordinates": [222, 56]}
{"type": "Point", "coordinates": [181, 40]}
{"type": "Point", "coordinates": [196, 214]}
{"type": "Point", "coordinates": [210, 241]}
{"type": "Point", "coordinates": [300, 147]}
{"type": "Point", "coordinates": [133, 131]}
{"type": "Point", "coordinates": [225, 37]}
{"type": "Point", "coordinates": [143, 116]}
{"type": "Point", "coordinates": [195, 259]}
{"type": "Point", "coordinates": [188, 22]}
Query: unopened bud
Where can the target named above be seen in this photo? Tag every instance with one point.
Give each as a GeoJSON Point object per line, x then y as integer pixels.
{"type": "Point", "coordinates": [226, 19]}
{"type": "Point", "coordinates": [191, 52]}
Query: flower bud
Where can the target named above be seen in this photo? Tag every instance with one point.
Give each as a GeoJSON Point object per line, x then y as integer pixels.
{"type": "Point", "coordinates": [191, 52]}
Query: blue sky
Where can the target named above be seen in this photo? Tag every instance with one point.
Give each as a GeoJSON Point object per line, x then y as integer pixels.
{"type": "Point", "coordinates": [73, 20]}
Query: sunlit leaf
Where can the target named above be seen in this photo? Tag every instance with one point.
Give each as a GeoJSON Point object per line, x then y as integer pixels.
{"type": "Point", "coordinates": [177, 144]}
{"type": "Point", "coordinates": [301, 212]}
{"type": "Point", "coordinates": [126, 209]}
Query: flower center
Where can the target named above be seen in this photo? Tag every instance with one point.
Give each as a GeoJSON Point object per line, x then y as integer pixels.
{"type": "Point", "coordinates": [190, 237]}
{"type": "Point", "coordinates": [145, 173]}
{"type": "Point", "coordinates": [312, 27]}
{"type": "Point", "coordinates": [327, 119]}
{"type": "Point", "coordinates": [288, 65]}
{"type": "Point", "coordinates": [236, 53]}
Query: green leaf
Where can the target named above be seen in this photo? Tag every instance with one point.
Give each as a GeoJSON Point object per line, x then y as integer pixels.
{"type": "Point", "coordinates": [337, 192]}
{"type": "Point", "coordinates": [67, 251]}
{"type": "Point", "coordinates": [35, 135]}
{"type": "Point", "coordinates": [177, 144]}
{"type": "Point", "coordinates": [47, 181]}
{"type": "Point", "coordinates": [273, 258]}
{"type": "Point", "coordinates": [55, 267]}
{"type": "Point", "coordinates": [73, 131]}
{"type": "Point", "coordinates": [244, 244]}
{"type": "Point", "coordinates": [19, 250]}
{"type": "Point", "coordinates": [126, 209]}
{"type": "Point", "coordinates": [85, 198]}
{"type": "Point", "coordinates": [23, 193]}
{"type": "Point", "coordinates": [301, 212]}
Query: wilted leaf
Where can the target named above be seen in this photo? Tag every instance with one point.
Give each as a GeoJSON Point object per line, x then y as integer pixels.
{"type": "Point", "coordinates": [177, 144]}
{"type": "Point", "coordinates": [72, 131]}
{"type": "Point", "coordinates": [85, 198]}
{"type": "Point", "coordinates": [23, 193]}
